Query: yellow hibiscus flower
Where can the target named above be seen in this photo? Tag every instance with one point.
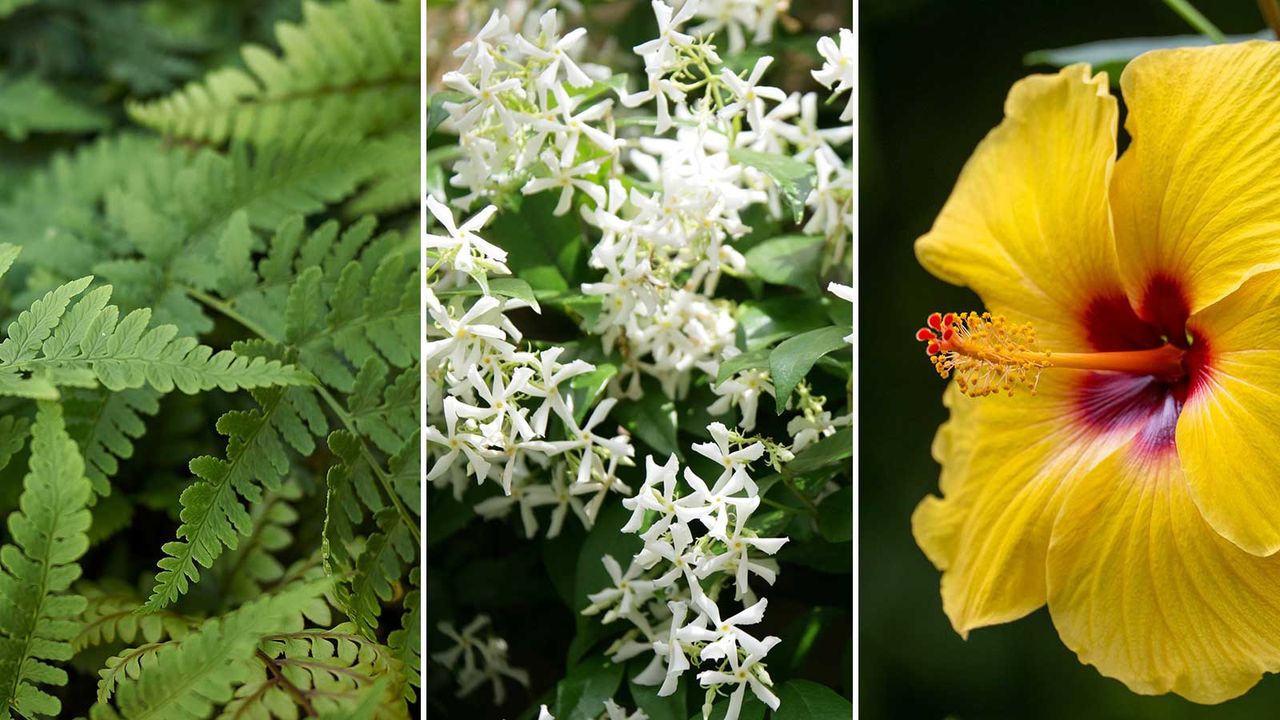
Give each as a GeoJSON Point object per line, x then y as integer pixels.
{"type": "Point", "coordinates": [1125, 469]}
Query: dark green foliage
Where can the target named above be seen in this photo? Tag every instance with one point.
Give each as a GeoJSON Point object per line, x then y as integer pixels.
{"type": "Point", "coordinates": [205, 295]}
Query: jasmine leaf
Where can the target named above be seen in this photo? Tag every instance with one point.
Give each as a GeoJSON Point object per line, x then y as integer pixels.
{"type": "Point", "coordinates": [826, 451]}
{"type": "Point", "coordinates": [793, 177]}
{"type": "Point", "coordinates": [587, 387]}
{"type": "Point", "coordinates": [788, 260]}
{"type": "Point", "coordinates": [436, 113]}
{"type": "Point", "coordinates": [746, 361]}
{"type": "Point", "coordinates": [581, 695]}
{"type": "Point", "coordinates": [835, 515]}
{"type": "Point", "coordinates": [804, 700]}
{"type": "Point", "coordinates": [502, 287]}
{"type": "Point", "coordinates": [652, 419]}
{"type": "Point", "coordinates": [793, 358]}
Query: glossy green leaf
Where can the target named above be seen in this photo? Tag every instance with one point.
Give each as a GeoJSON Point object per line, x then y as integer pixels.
{"type": "Point", "coordinates": [805, 700]}
{"type": "Point", "coordinates": [793, 358]}
{"type": "Point", "coordinates": [788, 260]}
{"type": "Point", "coordinates": [794, 178]}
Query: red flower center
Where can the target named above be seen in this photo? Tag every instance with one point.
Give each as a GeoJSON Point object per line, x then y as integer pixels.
{"type": "Point", "coordinates": [1118, 401]}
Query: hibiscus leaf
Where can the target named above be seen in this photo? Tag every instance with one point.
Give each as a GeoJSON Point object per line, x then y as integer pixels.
{"type": "Point", "coordinates": [793, 358]}
{"type": "Point", "coordinates": [794, 178]}
{"type": "Point", "coordinates": [804, 700]}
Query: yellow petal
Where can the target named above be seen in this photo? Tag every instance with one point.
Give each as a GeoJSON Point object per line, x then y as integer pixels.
{"type": "Point", "coordinates": [1194, 196]}
{"type": "Point", "coordinates": [1143, 589]}
{"type": "Point", "coordinates": [1006, 463]}
{"type": "Point", "coordinates": [1027, 226]}
{"type": "Point", "coordinates": [1229, 431]}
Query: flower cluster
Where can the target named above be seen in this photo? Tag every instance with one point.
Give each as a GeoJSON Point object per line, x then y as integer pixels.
{"type": "Point", "coordinates": [531, 116]}
{"type": "Point", "coordinates": [490, 405]}
{"type": "Point", "coordinates": [698, 543]}
{"type": "Point", "coordinates": [476, 659]}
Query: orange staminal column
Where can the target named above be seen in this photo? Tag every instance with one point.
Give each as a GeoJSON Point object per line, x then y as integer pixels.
{"type": "Point", "coordinates": [988, 354]}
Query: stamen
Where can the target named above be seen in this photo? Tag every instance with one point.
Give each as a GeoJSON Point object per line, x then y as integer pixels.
{"type": "Point", "coordinates": [988, 354]}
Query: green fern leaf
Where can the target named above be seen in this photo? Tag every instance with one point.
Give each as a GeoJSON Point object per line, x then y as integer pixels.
{"type": "Point", "coordinates": [29, 104]}
{"type": "Point", "coordinates": [13, 435]}
{"type": "Point", "coordinates": [213, 516]}
{"type": "Point", "coordinates": [49, 535]}
{"type": "Point", "coordinates": [104, 424]}
{"type": "Point", "coordinates": [351, 66]}
{"type": "Point", "coordinates": [188, 679]}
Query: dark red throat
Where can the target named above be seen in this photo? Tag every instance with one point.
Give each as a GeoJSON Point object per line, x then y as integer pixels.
{"type": "Point", "coordinates": [1120, 402]}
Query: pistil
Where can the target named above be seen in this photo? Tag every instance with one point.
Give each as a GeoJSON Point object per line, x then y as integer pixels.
{"type": "Point", "coordinates": [988, 354]}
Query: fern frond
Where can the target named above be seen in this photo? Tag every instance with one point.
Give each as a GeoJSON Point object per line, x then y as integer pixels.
{"type": "Point", "coordinates": [111, 615]}
{"type": "Point", "coordinates": [104, 424]}
{"type": "Point", "coordinates": [406, 642]}
{"type": "Point", "coordinates": [395, 186]}
{"type": "Point", "coordinates": [385, 411]}
{"type": "Point", "coordinates": [323, 670]}
{"type": "Point", "coordinates": [173, 229]}
{"type": "Point", "coordinates": [213, 516]}
{"type": "Point", "coordinates": [243, 572]}
{"type": "Point", "coordinates": [13, 435]}
{"type": "Point", "coordinates": [48, 531]}
{"type": "Point", "coordinates": [349, 66]}
{"type": "Point", "coordinates": [61, 204]}
{"type": "Point", "coordinates": [90, 343]}
{"type": "Point", "coordinates": [187, 679]}
{"type": "Point", "coordinates": [29, 104]}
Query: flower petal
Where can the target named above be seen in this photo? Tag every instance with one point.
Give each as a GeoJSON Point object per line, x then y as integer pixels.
{"type": "Point", "coordinates": [1194, 196]}
{"type": "Point", "coordinates": [1143, 589]}
{"type": "Point", "coordinates": [1007, 463]}
{"type": "Point", "coordinates": [1027, 226]}
{"type": "Point", "coordinates": [1229, 430]}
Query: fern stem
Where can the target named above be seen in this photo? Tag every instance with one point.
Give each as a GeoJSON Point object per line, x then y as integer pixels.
{"type": "Point", "coordinates": [231, 314]}
{"type": "Point", "coordinates": [341, 412]}
{"type": "Point", "coordinates": [294, 691]}
{"type": "Point", "coordinates": [383, 480]}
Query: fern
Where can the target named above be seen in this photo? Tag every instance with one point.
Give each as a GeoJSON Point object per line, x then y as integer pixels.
{"type": "Point", "coordinates": [245, 572]}
{"type": "Point", "coordinates": [49, 345]}
{"type": "Point", "coordinates": [13, 435]}
{"type": "Point", "coordinates": [348, 67]}
{"type": "Point", "coordinates": [111, 615]}
{"type": "Point", "coordinates": [406, 642]}
{"type": "Point", "coordinates": [213, 516]}
{"type": "Point", "coordinates": [324, 671]}
{"type": "Point", "coordinates": [187, 679]}
{"type": "Point", "coordinates": [49, 532]}
{"type": "Point", "coordinates": [28, 104]}
{"type": "Point", "coordinates": [104, 424]}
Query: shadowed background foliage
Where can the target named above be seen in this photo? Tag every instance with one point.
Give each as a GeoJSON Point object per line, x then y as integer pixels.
{"type": "Point", "coordinates": [934, 74]}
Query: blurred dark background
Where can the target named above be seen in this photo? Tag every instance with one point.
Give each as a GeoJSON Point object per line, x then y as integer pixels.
{"type": "Point", "coordinates": [934, 74]}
